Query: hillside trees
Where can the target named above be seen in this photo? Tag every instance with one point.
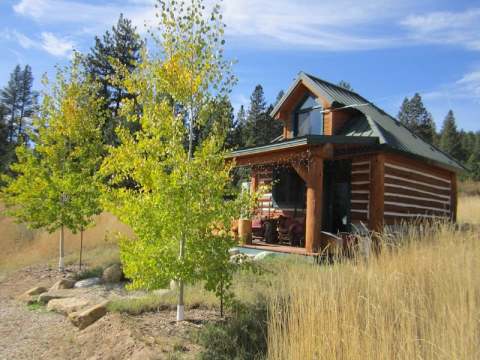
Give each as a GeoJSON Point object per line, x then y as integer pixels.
{"type": "Point", "coordinates": [260, 128]}
{"type": "Point", "coordinates": [54, 184]}
{"type": "Point", "coordinates": [450, 140]}
{"type": "Point", "coordinates": [122, 45]}
{"type": "Point", "coordinates": [19, 103]}
{"type": "Point", "coordinates": [177, 208]}
{"type": "Point", "coordinates": [415, 116]}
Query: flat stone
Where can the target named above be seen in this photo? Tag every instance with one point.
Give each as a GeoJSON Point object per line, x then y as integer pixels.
{"type": "Point", "coordinates": [67, 305]}
{"type": "Point", "coordinates": [63, 284]}
{"type": "Point", "coordinates": [28, 299]}
{"type": "Point", "coordinates": [36, 290]}
{"type": "Point", "coordinates": [88, 282]}
{"type": "Point", "coordinates": [84, 318]}
{"type": "Point", "coordinates": [54, 294]}
{"type": "Point", "coordinates": [264, 255]}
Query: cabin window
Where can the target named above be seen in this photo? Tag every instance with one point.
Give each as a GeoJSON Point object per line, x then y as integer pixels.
{"type": "Point", "coordinates": [288, 189]}
{"type": "Point", "coordinates": [309, 118]}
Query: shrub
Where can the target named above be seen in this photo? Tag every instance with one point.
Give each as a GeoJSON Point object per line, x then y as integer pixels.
{"type": "Point", "coordinates": [89, 273]}
{"type": "Point", "coordinates": [241, 336]}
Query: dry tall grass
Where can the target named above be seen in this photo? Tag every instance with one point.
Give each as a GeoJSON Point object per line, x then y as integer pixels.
{"type": "Point", "coordinates": [469, 209]}
{"type": "Point", "coordinates": [419, 301]}
{"type": "Point", "coordinates": [22, 246]}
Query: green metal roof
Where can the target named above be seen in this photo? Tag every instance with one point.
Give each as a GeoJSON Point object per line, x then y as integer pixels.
{"type": "Point", "coordinates": [305, 140]}
{"type": "Point", "coordinates": [373, 121]}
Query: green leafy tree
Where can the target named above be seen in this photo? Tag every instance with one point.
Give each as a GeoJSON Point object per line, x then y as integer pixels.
{"type": "Point", "coordinates": [55, 183]}
{"type": "Point", "coordinates": [177, 208]}
{"type": "Point", "coordinates": [416, 117]}
{"type": "Point", "coordinates": [122, 45]}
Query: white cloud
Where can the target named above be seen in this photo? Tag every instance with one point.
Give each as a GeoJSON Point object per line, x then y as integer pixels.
{"type": "Point", "coordinates": [13, 35]}
{"type": "Point", "coordinates": [323, 25]}
{"type": "Point", "coordinates": [55, 45]}
{"type": "Point", "coordinates": [467, 87]}
{"type": "Point", "coordinates": [458, 28]}
{"type": "Point", "coordinates": [49, 42]}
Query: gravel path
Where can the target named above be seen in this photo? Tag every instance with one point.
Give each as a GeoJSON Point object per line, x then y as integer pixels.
{"type": "Point", "coordinates": [34, 334]}
{"type": "Point", "coordinates": [27, 333]}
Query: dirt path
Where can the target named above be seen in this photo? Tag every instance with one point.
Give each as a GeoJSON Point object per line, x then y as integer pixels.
{"type": "Point", "coordinates": [39, 334]}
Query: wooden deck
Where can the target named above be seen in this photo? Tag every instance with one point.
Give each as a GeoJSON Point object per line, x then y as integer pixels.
{"type": "Point", "coordinates": [285, 249]}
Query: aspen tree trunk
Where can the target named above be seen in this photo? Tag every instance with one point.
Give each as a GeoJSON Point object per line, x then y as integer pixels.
{"type": "Point", "coordinates": [81, 249]}
{"type": "Point", "coordinates": [180, 305]}
{"type": "Point", "coordinates": [61, 263]}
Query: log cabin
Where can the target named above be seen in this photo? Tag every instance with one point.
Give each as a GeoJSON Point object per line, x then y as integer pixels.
{"type": "Point", "coordinates": [343, 162]}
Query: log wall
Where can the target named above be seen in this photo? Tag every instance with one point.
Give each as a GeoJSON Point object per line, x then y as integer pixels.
{"type": "Point", "coordinates": [361, 168]}
{"type": "Point", "coordinates": [414, 189]}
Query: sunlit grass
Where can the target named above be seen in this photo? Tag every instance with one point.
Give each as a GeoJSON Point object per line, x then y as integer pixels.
{"type": "Point", "coordinates": [419, 301]}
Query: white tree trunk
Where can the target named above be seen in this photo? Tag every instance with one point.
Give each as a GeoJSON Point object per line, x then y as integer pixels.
{"type": "Point", "coordinates": [61, 263]}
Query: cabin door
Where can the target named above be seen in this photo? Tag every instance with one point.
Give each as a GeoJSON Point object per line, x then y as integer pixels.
{"type": "Point", "coordinates": [337, 196]}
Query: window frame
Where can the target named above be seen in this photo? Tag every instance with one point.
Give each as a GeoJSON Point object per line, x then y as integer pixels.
{"type": "Point", "coordinates": [298, 111]}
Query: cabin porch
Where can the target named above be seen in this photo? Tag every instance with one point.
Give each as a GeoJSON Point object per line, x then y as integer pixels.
{"type": "Point", "coordinates": [309, 200]}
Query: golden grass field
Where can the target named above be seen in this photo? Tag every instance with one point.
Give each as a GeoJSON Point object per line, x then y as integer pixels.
{"type": "Point", "coordinates": [417, 301]}
{"type": "Point", "coordinates": [420, 300]}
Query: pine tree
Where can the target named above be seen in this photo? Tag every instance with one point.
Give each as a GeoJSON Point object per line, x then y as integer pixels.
{"type": "Point", "coordinates": [4, 144]}
{"type": "Point", "coordinates": [254, 130]}
{"type": "Point", "coordinates": [10, 99]}
{"type": "Point", "coordinates": [238, 132]}
{"type": "Point", "coordinates": [415, 116]}
{"type": "Point", "coordinates": [120, 47]}
{"type": "Point", "coordinates": [473, 163]}
{"type": "Point", "coordinates": [27, 103]}
{"type": "Point", "coordinates": [345, 84]}
{"type": "Point", "coordinates": [19, 104]}
{"type": "Point", "coordinates": [450, 140]}
{"type": "Point", "coordinates": [55, 183]}
{"type": "Point", "coordinates": [279, 97]}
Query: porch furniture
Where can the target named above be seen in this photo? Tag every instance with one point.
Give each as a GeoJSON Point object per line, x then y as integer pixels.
{"type": "Point", "coordinates": [291, 231]}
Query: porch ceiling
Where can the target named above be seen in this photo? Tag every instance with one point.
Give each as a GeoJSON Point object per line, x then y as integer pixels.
{"type": "Point", "coordinates": [297, 148]}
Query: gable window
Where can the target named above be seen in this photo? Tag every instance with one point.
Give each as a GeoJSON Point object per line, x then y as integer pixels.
{"type": "Point", "coordinates": [308, 118]}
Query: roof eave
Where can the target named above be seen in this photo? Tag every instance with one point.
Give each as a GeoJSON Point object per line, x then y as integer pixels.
{"type": "Point", "coordinates": [309, 140]}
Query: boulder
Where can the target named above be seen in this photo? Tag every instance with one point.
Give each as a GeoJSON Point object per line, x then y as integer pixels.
{"type": "Point", "coordinates": [36, 291]}
{"type": "Point", "coordinates": [240, 259]}
{"type": "Point", "coordinates": [112, 274]}
{"type": "Point", "coordinates": [88, 282]}
{"type": "Point", "coordinates": [63, 284]}
{"type": "Point", "coordinates": [84, 318]}
{"type": "Point", "coordinates": [54, 294]}
{"type": "Point", "coordinates": [234, 251]}
{"type": "Point", "coordinates": [67, 305]}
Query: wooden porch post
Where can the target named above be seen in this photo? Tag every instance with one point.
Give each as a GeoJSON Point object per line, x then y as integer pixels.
{"type": "Point", "coordinates": [253, 181]}
{"type": "Point", "coordinates": [313, 222]}
{"type": "Point", "coordinates": [377, 191]}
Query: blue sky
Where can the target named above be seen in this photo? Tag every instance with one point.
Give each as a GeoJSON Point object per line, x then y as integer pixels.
{"type": "Point", "coordinates": [387, 49]}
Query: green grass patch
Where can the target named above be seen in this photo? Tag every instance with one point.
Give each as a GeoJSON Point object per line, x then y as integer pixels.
{"type": "Point", "coordinates": [89, 273]}
{"type": "Point", "coordinates": [36, 306]}
{"type": "Point", "coordinates": [195, 298]}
